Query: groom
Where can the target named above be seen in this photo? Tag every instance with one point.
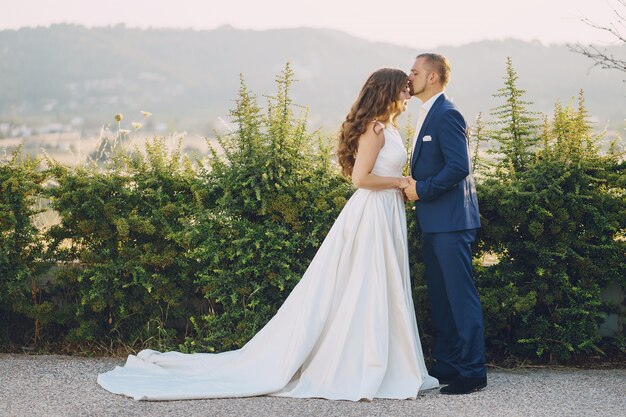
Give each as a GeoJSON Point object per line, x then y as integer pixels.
{"type": "Point", "coordinates": [442, 187]}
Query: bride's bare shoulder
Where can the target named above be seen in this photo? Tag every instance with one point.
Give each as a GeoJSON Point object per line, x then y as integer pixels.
{"type": "Point", "coordinates": [374, 133]}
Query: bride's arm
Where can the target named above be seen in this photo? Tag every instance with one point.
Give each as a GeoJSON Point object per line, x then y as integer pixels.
{"type": "Point", "coordinates": [370, 143]}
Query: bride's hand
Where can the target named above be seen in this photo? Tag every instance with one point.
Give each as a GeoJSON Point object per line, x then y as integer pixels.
{"type": "Point", "coordinates": [403, 183]}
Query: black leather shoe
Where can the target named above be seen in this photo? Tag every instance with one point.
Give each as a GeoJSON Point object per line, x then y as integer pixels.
{"type": "Point", "coordinates": [464, 385]}
{"type": "Point", "coordinates": [444, 379]}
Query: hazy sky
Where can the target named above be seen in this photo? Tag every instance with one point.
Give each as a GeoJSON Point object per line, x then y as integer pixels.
{"type": "Point", "coordinates": [413, 23]}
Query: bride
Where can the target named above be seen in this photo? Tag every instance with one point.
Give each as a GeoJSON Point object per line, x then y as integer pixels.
{"type": "Point", "coordinates": [347, 331]}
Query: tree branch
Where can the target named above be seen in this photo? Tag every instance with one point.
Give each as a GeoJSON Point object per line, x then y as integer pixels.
{"type": "Point", "coordinates": [602, 57]}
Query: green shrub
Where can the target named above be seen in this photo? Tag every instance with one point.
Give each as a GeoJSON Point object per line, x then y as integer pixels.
{"type": "Point", "coordinates": [24, 308]}
{"type": "Point", "coordinates": [269, 202]}
{"type": "Point", "coordinates": [121, 240]}
{"type": "Point", "coordinates": [557, 228]}
{"type": "Point", "coordinates": [554, 229]}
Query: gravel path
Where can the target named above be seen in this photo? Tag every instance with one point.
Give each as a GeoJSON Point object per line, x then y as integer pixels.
{"type": "Point", "coordinates": [66, 386]}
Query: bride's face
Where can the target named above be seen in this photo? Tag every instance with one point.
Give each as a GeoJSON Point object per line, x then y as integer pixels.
{"type": "Point", "coordinates": [403, 99]}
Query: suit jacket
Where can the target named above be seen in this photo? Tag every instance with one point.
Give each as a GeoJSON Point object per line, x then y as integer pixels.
{"type": "Point", "coordinates": [441, 167]}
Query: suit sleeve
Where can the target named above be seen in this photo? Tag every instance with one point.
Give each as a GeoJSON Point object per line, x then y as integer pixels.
{"type": "Point", "coordinates": [453, 145]}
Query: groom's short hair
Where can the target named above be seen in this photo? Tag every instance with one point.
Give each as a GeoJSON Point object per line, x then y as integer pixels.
{"type": "Point", "coordinates": [439, 64]}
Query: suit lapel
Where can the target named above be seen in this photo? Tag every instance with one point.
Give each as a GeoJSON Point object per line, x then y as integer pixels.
{"type": "Point", "coordinates": [418, 144]}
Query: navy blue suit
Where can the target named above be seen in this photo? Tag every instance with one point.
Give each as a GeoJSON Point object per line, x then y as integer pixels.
{"type": "Point", "coordinates": [447, 214]}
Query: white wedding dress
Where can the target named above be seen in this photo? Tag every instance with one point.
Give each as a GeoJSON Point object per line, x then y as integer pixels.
{"type": "Point", "coordinates": [347, 331]}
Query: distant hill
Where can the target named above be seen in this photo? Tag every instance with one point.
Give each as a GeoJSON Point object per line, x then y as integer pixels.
{"type": "Point", "coordinates": [188, 78]}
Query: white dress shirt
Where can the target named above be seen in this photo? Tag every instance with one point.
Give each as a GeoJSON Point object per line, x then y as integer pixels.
{"type": "Point", "coordinates": [421, 116]}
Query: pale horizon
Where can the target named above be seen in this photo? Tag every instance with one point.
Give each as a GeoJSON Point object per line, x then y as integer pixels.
{"type": "Point", "coordinates": [452, 24]}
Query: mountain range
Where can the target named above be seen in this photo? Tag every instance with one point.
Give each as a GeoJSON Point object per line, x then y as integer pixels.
{"type": "Point", "coordinates": [188, 79]}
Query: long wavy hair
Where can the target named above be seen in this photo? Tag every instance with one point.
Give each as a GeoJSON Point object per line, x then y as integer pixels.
{"type": "Point", "coordinates": [378, 100]}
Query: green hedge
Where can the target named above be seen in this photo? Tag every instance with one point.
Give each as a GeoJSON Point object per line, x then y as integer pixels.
{"type": "Point", "coordinates": [154, 249]}
{"type": "Point", "coordinates": [23, 303]}
{"type": "Point", "coordinates": [556, 224]}
{"type": "Point", "coordinates": [554, 231]}
{"type": "Point", "coordinates": [121, 241]}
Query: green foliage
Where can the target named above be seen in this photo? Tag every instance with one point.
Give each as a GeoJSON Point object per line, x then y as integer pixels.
{"type": "Point", "coordinates": [270, 200]}
{"type": "Point", "coordinates": [478, 135]}
{"type": "Point", "coordinates": [555, 227]}
{"type": "Point", "coordinates": [121, 237]}
{"type": "Point", "coordinates": [154, 250]}
{"type": "Point", "coordinates": [21, 248]}
{"type": "Point", "coordinates": [517, 125]}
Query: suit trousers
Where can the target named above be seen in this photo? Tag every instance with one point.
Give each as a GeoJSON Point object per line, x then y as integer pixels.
{"type": "Point", "coordinates": [455, 304]}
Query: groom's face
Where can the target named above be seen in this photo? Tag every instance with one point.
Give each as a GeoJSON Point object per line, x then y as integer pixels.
{"type": "Point", "coordinates": [418, 77]}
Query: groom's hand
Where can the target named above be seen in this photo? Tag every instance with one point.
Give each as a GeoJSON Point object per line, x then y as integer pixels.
{"type": "Point", "coordinates": [410, 192]}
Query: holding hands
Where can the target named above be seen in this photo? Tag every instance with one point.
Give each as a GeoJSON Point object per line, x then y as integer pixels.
{"type": "Point", "coordinates": [407, 185]}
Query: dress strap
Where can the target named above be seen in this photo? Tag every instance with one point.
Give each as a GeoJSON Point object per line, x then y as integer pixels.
{"type": "Point", "coordinates": [381, 124]}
